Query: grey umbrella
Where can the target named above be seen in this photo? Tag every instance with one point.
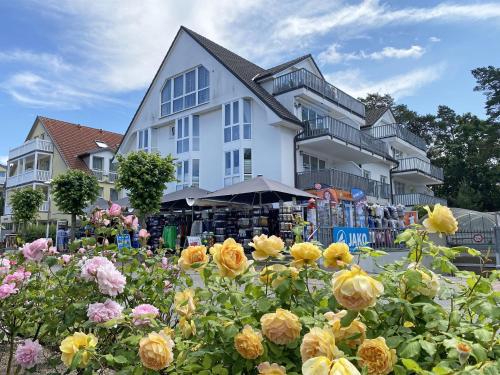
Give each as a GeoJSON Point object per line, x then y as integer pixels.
{"type": "Point", "coordinates": [179, 199]}
{"type": "Point", "coordinates": [259, 190]}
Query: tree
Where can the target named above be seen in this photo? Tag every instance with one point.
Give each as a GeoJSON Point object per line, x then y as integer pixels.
{"type": "Point", "coordinates": [376, 100]}
{"type": "Point", "coordinates": [144, 176]}
{"type": "Point", "coordinates": [468, 197]}
{"type": "Point", "coordinates": [25, 205]}
{"type": "Point", "coordinates": [73, 191]}
{"type": "Point", "coordinates": [488, 81]}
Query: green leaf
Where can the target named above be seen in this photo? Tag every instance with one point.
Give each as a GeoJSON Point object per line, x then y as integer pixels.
{"type": "Point", "coordinates": [394, 341]}
{"type": "Point", "coordinates": [207, 361]}
{"type": "Point", "coordinates": [120, 359]}
{"type": "Point", "coordinates": [442, 370]}
{"type": "Point", "coordinates": [428, 347]}
{"type": "Point", "coordinates": [479, 352]}
{"type": "Point", "coordinates": [410, 350]}
{"type": "Point", "coordinates": [263, 305]}
{"type": "Point", "coordinates": [410, 364]}
{"type": "Point", "coordinates": [347, 320]}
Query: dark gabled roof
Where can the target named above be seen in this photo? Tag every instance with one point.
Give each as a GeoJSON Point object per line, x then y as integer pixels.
{"type": "Point", "coordinates": [374, 114]}
{"type": "Point", "coordinates": [278, 68]}
{"type": "Point", "coordinates": [245, 71]}
{"type": "Point", "coordinates": [73, 140]}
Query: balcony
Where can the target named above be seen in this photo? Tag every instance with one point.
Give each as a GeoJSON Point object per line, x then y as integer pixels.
{"type": "Point", "coordinates": [34, 175]}
{"type": "Point", "coordinates": [418, 170]}
{"type": "Point", "coordinates": [397, 130]}
{"type": "Point", "coordinates": [417, 199]}
{"type": "Point", "coordinates": [352, 139]}
{"type": "Point", "coordinates": [112, 176]}
{"type": "Point", "coordinates": [30, 146]}
{"type": "Point", "coordinates": [344, 181]}
{"type": "Point", "coordinates": [101, 176]}
{"type": "Point", "coordinates": [43, 208]}
{"type": "Point", "coordinates": [303, 78]}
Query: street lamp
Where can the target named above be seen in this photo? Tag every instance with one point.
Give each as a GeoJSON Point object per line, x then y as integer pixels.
{"type": "Point", "coordinates": [48, 211]}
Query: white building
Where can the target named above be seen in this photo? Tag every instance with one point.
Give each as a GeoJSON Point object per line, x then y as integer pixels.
{"type": "Point", "coordinates": [226, 119]}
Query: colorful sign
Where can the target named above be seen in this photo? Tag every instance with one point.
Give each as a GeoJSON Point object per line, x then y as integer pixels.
{"type": "Point", "coordinates": [358, 195]}
{"type": "Point", "coordinates": [411, 217]}
{"type": "Point", "coordinates": [330, 194]}
{"type": "Point", "coordinates": [353, 237]}
{"type": "Point", "coordinates": [194, 240]}
{"type": "Point", "coordinates": [123, 241]}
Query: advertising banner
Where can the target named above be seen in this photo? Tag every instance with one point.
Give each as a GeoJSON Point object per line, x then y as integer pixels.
{"type": "Point", "coordinates": [351, 236]}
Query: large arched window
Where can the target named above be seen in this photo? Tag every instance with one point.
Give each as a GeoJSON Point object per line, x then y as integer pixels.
{"type": "Point", "coordinates": [185, 90]}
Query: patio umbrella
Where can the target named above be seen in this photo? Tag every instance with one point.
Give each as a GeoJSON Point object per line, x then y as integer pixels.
{"type": "Point", "coordinates": [179, 199]}
{"type": "Point", "coordinates": [257, 191]}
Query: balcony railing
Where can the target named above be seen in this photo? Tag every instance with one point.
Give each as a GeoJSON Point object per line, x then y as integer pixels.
{"type": "Point", "coordinates": [419, 165]}
{"type": "Point", "coordinates": [98, 174]}
{"type": "Point", "coordinates": [414, 199]}
{"type": "Point", "coordinates": [35, 175]}
{"type": "Point", "coordinates": [304, 78]}
{"type": "Point", "coordinates": [397, 130]}
{"type": "Point", "coordinates": [2, 180]}
{"type": "Point", "coordinates": [343, 180]}
{"type": "Point", "coordinates": [112, 176]}
{"type": "Point", "coordinates": [44, 207]}
{"type": "Point", "coordinates": [337, 129]}
{"type": "Point", "coordinates": [30, 146]}
{"type": "Point", "coordinates": [101, 176]}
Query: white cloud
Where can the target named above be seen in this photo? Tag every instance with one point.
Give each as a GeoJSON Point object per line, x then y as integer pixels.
{"type": "Point", "coordinates": [434, 39]}
{"type": "Point", "coordinates": [45, 60]}
{"type": "Point", "coordinates": [3, 159]}
{"type": "Point", "coordinates": [332, 55]}
{"type": "Point", "coordinates": [399, 86]}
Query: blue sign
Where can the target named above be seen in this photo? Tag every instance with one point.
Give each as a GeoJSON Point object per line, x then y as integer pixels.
{"type": "Point", "coordinates": [357, 194]}
{"type": "Point", "coordinates": [351, 236]}
{"type": "Point", "coordinates": [123, 241]}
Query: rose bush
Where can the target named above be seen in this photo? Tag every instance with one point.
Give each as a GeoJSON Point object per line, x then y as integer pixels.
{"type": "Point", "coordinates": [139, 312]}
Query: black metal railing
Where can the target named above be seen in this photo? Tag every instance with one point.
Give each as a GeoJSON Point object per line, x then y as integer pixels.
{"type": "Point", "coordinates": [334, 128]}
{"type": "Point", "coordinates": [343, 180]}
{"type": "Point", "coordinates": [397, 130]}
{"type": "Point", "coordinates": [304, 78]}
{"type": "Point", "coordinates": [414, 199]}
{"type": "Point", "coordinates": [419, 165]}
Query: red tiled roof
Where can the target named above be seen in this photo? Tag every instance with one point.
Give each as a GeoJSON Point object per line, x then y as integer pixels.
{"type": "Point", "coordinates": [73, 140]}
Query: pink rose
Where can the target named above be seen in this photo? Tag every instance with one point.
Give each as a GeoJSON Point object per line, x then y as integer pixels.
{"type": "Point", "coordinates": [110, 280]}
{"type": "Point", "coordinates": [34, 251]}
{"type": "Point", "coordinates": [7, 289]}
{"type": "Point", "coordinates": [66, 258]}
{"type": "Point", "coordinates": [81, 250]}
{"type": "Point", "coordinates": [164, 263]}
{"type": "Point", "coordinates": [106, 222]}
{"type": "Point", "coordinates": [29, 354]}
{"type": "Point", "coordinates": [4, 266]}
{"type": "Point", "coordinates": [17, 277]}
{"type": "Point", "coordinates": [53, 250]}
{"type": "Point", "coordinates": [90, 267]}
{"type": "Point", "coordinates": [115, 210]}
{"type": "Point", "coordinates": [131, 221]}
{"type": "Point", "coordinates": [102, 312]}
{"type": "Point", "coordinates": [167, 286]}
{"type": "Point", "coordinates": [143, 234]}
{"type": "Point", "coordinates": [142, 315]}
{"type": "Point", "coordinates": [149, 253]}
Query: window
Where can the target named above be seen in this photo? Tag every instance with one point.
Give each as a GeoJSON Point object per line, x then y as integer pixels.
{"type": "Point", "coordinates": [143, 139]}
{"type": "Point", "coordinates": [312, 163]}
{"type": "Point", "coordinates": [97, 163]}
{"type": "Point", "coordinates": [185, 91]}
{"type": "Point", "coordinates": [232, 121]}
{"type": "Point", "coordinates": [247, 119]}
{"type": "Point", "coordinates": [113, 167]}
{"type": "Point", "coordinates": [101, 144]}
{"type": "Point", "coordinates": [195, 176]}
{"type": "Point", "coordinates": [314, 118]}
{"type": "Point", "coordinates": [383, 179]}
{"type": "Point", "coordinates": [231, 167]}
{"type": "Point", "coordinates": [196, 133]}
{"type": "Point", "coordinates": [182, 175]}
{"type": "Point", "coordinates": [183, 135]}
{"type": "Point", "coordinates": [398, 154]}
{"type": "Point", "coordinates": [247, 164]}
{"type": "Point", "coordinates": [113, 195]}
{"type": "Point", "coordinates": [367, 174]}
{"type": "Point", "coordinates": [399, 187]}
{"type": "Point", "coordinates": [101, 192]}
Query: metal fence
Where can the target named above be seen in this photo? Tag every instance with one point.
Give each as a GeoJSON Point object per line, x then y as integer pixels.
{"type": "Point", "coordinates": [397, 130]}
{"type": "Point", "coordinates": [413, 199]}
{"type": "Point", "coordinates": [343, 180]}
{"type": "Point", "coordinates": [419, 165]}
{"type": "Point", "coordinates": [332, 127]}
{"type": "Point", "coordinates": [304, 78]}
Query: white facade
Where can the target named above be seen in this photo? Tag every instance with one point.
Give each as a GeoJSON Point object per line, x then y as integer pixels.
{"type": "Point", "coordinates": [230, 132]}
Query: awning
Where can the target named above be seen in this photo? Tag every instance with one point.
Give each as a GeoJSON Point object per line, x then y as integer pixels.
{"type": "Point", "coordinates": [259, 190]}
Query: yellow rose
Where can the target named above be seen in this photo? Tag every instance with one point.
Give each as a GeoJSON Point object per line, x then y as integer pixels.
{"type": "Point", "coordinates": [187, 327]}
{"type": "Point", "coordinates": [429, 285]}
{"type": "Point", "coordinates": [72, 344]}
{"type": "Point", "coordinates": [156, 351]}
{"type": "Point", "coordinates": [305, 253]}
{"type": "Point", "coordinates": [266, 368]}
{"type": "Point", "coordinates": [281, 327]}
{"type": "Point", "coordinates": [355, 290]}
{"type": "Point", "coordinates": [376, 356]}
{"type": "Point", "coordinates": [266, 247]}
{"type": "Point", "coordinates": [249, 343]}
{"type": "Point", "coordinates": [184, 303]}
{"type": "Point", "coordinates": [276, 274]}
{"type": "Point", "coordinates": [317, 343]}
{"type": "Point", "coordinates": [337, 255]}
{"type": "Point", "coordinates": [353, 334]}
{"type": "Point", "coordinates": [324, 366]}
{"type": "Point", "coordinates": [441, 220]}
{"type": "Point", "coordinates": [230, 258]}
{"type": "Point", "coordinates": [192, 255]}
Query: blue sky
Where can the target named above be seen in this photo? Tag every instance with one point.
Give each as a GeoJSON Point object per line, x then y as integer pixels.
{"type": "Point", "coordinates": [91, 62]}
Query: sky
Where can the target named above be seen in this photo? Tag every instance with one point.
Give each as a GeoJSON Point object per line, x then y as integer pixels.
{"type": "Point", "coordinates": [90, 62]}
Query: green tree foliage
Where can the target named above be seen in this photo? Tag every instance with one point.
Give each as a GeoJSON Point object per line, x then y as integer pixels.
{"type": "Point", "coordinates": [144, 176]}
{"type": "Point", "coordinates": [488, 81]}
{"type": "Point", "coordinates": [25, 204]}
{"type": "Point", "coordinates": [377, 100]}
{"type": "Point", "coordinates": [468, 197]}
{"type": "Point", "coordinates": [73, 191]}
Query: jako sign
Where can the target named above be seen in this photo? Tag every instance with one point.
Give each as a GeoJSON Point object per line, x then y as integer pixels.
{"type": "Point", "coordinates": [353, 237]}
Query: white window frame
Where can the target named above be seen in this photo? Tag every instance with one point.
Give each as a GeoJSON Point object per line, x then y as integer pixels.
{"type": "Point", "coordinates": [383, 179]}
{"type": "Point", "coordinates": [94, 157]}
{"type": "Point", "coordinates": [247, 167]}
{"type": "Point", "coordinates": [367, 174]}
{"type": "Point", "coordinates": [142, 135]}
{"type": "Point", "coordinates": [167, 106]}
{"type": "Point", "coordinates": [181, 138]}
{"type": "Point", "coordinates": [309, 157]}
{"type": "Point", "coordinates": [183, 178]}
{"type": "Point", "coordinates": [233, 127]}
{"type": "Point", "coordinates": [195, 179]}
{"type": "Point", "coordinates": [247, 120]}
{"type": "Point", "coordinates": [234, 173]}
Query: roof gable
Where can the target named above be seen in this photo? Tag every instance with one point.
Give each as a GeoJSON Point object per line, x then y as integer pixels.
{"type": "Point", "coordinates": [74, 140]}
{"type": "Point", "coordinates": [279, 68]}
{"type": "Point", "coordinates": [374, 114]}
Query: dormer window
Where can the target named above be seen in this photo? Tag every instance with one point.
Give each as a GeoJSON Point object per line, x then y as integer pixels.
{"type": "Point", "coordinates": [101, 144]}
{"type": "Point", "coordinates": [185, 91]}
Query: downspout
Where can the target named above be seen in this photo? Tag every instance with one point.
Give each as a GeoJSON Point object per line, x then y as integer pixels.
{"type": "Point", "coordinates": [295, 138]}
{"type": "Point", "coordinates": [390, 180]}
